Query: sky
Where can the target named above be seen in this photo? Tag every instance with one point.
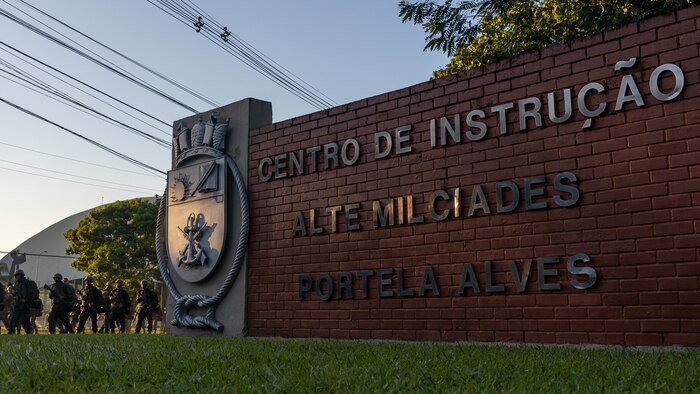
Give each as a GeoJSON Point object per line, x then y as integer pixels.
{"type": "Point", "coordinates": [348, 50]}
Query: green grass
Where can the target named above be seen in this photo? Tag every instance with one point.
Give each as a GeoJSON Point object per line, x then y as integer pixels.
{"type": "Point", "coordinates": [155, 363]}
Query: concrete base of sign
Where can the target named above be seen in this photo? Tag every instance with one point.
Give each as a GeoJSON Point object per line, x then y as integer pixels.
{"type": "Point", "coordinates": [231, 312]}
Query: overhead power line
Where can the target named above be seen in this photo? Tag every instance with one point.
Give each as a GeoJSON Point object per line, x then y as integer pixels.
{"type": "Point", "coordinates": [68, 100]}
{"type": "Point", "coordinates": [91, 141]}
{"type": "Point", "coordinates": [199, 10]}
{"type": "Point", "coordinates": [77, 176]}
{"type": "Point", "coordinates": [71, 180]}
{"type": "Point", "coordinates": [83, 83]}
{"type": "Point", "coordinates": [81, 161]}
{"type": "Point", "coordinates": [125, 57]}
{"type": "Point", "coordinates": [44, 255]}
{"type": "Point", "coordinates": [242, 51]}
{"type": "Point", "coordinates": [78, 88]}
{"type": "Point", "coordinates": [111, 68]}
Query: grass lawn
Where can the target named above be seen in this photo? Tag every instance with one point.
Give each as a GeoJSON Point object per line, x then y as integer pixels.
{"type": "Point", "coordinates": [156, 363]}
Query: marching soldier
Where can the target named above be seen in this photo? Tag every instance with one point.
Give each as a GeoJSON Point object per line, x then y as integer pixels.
{"type": "Point", "coordinates": [75, 309]}
{"type": "Point", "coordinates": [106, 309]}
{"type": "Point", "coordinates": [63, 301]}
{"type": "Point", "coordinates": [3, 316]}
{"type": "Point", "coordinates": [121, 307]}
{"type": "Point", "coordinates": [147, 301]}
{"type": "Point", "coordinates": [91, 302]}
{"type": "Point", "coordinates": [25, 293]}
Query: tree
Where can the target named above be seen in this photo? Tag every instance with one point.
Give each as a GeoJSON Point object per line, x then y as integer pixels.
{"type": "Point", "coordinates": [475, 33]}
{"type": "Point", "coordinates": [116, 241]}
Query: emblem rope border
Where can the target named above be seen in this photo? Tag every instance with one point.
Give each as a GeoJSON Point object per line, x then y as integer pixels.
{"type": "Point", "coordinates": [183, 303]}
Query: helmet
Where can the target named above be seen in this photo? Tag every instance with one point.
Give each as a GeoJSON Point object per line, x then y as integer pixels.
{"type": "Point", "coordinates": [19, 273]}
{"type": "Point", "coordinates": [58, 277]}
{"type": "Point", "coordinates": [120, 283]}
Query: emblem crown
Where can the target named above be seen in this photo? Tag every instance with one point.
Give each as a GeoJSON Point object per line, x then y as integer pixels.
{"type": "Point", "coordinates": [211, 134]}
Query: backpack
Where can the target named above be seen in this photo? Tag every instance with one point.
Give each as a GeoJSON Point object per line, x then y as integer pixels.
{"type": "Point", "coordinates": [71, 299]}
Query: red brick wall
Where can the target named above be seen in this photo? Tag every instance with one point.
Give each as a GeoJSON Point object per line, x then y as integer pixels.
{"type": "Point", "coordinates": [638, 217]}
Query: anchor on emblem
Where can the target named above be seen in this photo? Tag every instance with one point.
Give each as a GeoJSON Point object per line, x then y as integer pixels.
{"type": "Point", "coordinates": [193, 254]}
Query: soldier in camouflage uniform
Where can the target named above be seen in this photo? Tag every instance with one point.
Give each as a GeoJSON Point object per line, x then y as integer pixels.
{"type": "Point", "coordinates": [147, 301]}
{"type": "Point", "coordinates": [106, 294]}
{"type": "Point", "coordinates": [120, 307]}
{"type": "Point", "coordinates": [63, 300]}
{"type": "Point", "coordinates": [3, 318]}
{"type": "Point", "coordinates": [25, 292]}
{"type": "Point", "coordinates": [91, 301]}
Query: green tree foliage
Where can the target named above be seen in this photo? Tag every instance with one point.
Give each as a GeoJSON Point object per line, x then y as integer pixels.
{"type": "Point", "coordinates": [475, 33]}
{"type": "Point", "coordinates": [116, 241]}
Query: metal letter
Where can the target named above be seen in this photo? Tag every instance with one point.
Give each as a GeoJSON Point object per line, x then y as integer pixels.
{"type": "Point", "coordinates": [582, 103]}
{"type": "Point", "coordinates": [429, 283]}
{"type": "Point", "coordinates": [403, 292]}
{"type": "Point", "coordinates": [500, 208]}
{"type": "Point", "coordinates": [457, 202]}
{"type": "Point", "coordinates": [530, 193]}
{"type": "Point", "coordinates": [446, 127]}
{"type": "Point", "coordinates": [306, 283]}
{"type": "Point", "coordinates": [345, 280]}
{"type": "Point", "coordinates": [490, 287]}
{"type": "Point", "coordinates": [520, 279]}
{"type": "Point", "coordinates": [314, 157]}
{"type": "Point", "coordinates": [383, 280]}
{"type": "Point", "coordinates": [350, 215]}
{"type": "Point", "coordinates": [566, 188]}
{"type": "Point", "coordinates": [469, 279]}
{"type": "Point", "coordinates": [543, 273]}
{"type": "Point", "coordinates": [265, 162]}
{"type": "Point", "coordinates": [411, 219]}
{"type": "Point", "coordinates": [382, 135]}
{"type": "Point", "coordinates": [433, 136]}
{"type": "Point", "coordinates": [330, 153]}
{"type": "Point", "coordinates": [334, 217]}
{"type": "Point", "coordinates": [297, 163]}
{"type": "Point", "coordinates": [654, 82]}
{"type": "Point", "coordinates": [382, 217]}
{"type": "Point", "coordinates": [319, 287]}
{"type": "Point", "coordinates": [478, 201]}
{"type": "Point", "coordinates": [531, 113]}
{"type": "Point", "coordinates": [622, 96]}
{"type": "Point", "coordinates": [588, 271]}
{"type": "Point", "coordinates": [344, 152]}
{"type": "Point", "coordinates": [312, 222]}
{"type": "Point", "coordinates": [364, 276]}
{"type": "Point", "coordinates": [502, 119]}
{"type": "Point", "coordinates": [433, 197]}
{"type": "Point", "coordinates": [280, 164]}
{"type": "Point", "coordinates": [552, 106]}
{"type": "Point", "coordinates": [298, 226]}
{"type": "Point", "coordinates": [402, 136]}
{"type": "Point", "coordinates": [481, 126]}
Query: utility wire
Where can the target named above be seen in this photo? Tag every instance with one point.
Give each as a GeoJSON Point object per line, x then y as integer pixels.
{"type": "Point", "coordinates": [82, 107]}
{"type": "Point", "coordinates": [82, 90]}
{"type": "Point", "coordinates": [83, 83]}
{"type": "Point", "coordinates": [42, 254]}
{"type": "Point", "coordinates": [81, 161]}
{"type": "Point", "coordinates": [70, 180]}
{"type": "Point", "coordinates": [91, 141]}
{"type": "Point", "coordinates": [123, 56]}
{"type": "Point", "coordinates": [248, 57]}
{"type": "Point", "coordinates": [100, 63]}
{"type": "Point", "coordinates": [200, 11]}
{"type": "Point", "coordinates": [77, 176]}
